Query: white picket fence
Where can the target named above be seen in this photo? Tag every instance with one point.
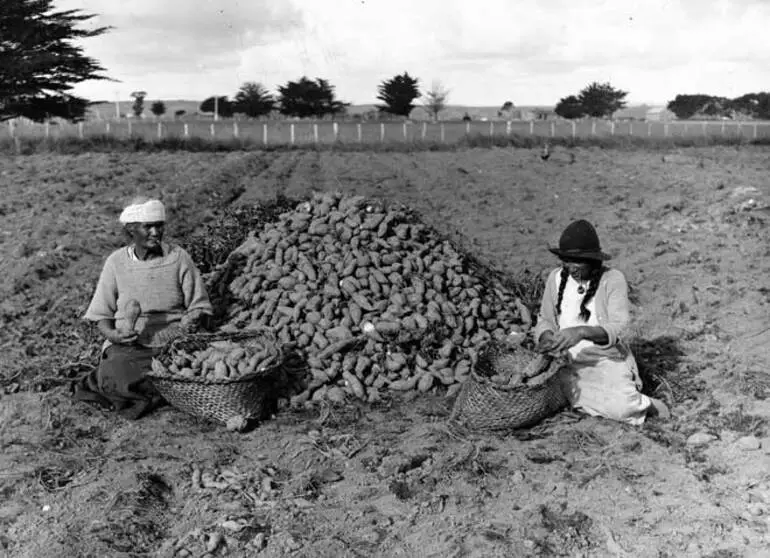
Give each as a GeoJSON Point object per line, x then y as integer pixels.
{"type": "Point", "coordinates": [308, 132]}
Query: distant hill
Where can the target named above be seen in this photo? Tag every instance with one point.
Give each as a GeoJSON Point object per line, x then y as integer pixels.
{"type": "Point", "coordinates": [105, 109]}
{"type": "Point", "coordinates": [638, 112]}
{"type": "Point", "coordinates": [453, 112]}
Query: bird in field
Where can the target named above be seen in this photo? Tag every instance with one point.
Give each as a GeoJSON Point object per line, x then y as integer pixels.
{"type": "Point", "coordinates": [546, 152]}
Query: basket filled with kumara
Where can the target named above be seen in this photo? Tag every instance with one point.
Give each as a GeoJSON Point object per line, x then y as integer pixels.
{"type": "Point", "coordinates": [224, 376]}
{"type": "Point", "coordinates": [510, 387]}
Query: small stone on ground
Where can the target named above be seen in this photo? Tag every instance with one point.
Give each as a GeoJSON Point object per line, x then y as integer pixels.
{"type": "Point", "coordinates": [700, 439]}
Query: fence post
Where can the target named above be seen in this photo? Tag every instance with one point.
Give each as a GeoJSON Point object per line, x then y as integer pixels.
{"type": "Point", "coordinates": [212, 130]}
{"type": "Point", "coordinates": [236, 131]}
{"type": "Point", "coordinates": [11, 128]}
{"type": "Point", "coordinates": [722, 128]}
{"type": "Point", "coordinates": [553, 128]}
{"type": "Point", "coordinates": [491, 129]}
{"type": "Point", "coordinates": [404, 127]}
{"type": "Point", "coordinates": [315, 132]}
{"type": "Point", "coordinates": [264, 133]}
{"type": "Point", "coordinates": [467, 128]}
{"type": "Point", "coordinates": [574, 130]}
{"type": "Point", "coordinates": [507, 127]}
{"type": "Point", "coordinates": [442, 132]}
{"type": "Point", "coordinates": [186, 130]}
{"type": "Point", "coordinates": [336, 129]}
{"type": "Point", "coordinates": [593, 127]}
{"type": "Point", "coordinates": [80, 130]}
{"type": "Point", "coordinates": [291, 133]}
{"type": "Point", "coordinates": [160, 130]}
{"type": "Point", "coordinates": [107, 127]}
{"type": "Point", "coordinates": [382, 131]}
{"type": "Point", "coordinates": [755, 130]}
{"type": "Point", "coordinates": [531, 127]}
{"type": "Point", "coordinates": [630, 128]}
{"type": "Point", "coordinates": [612, 127]}
{"type": "Point", "coordinates": [358, 133]}
{"type": "Point", "coordinates": [130, 132]}
{"type": "Point", "coordinates": [424, 131]}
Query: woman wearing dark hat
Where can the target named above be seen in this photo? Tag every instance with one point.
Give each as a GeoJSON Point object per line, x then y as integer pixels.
{"type": "Point", "coordinates": [585, 314]}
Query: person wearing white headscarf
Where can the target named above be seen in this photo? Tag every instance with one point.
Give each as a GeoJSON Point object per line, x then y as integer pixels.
{"type": "Point", "coordinates": [164, 287]}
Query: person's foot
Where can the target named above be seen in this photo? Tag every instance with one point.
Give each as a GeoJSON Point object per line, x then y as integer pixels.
{"type": "Point", "coordinates": [658, 409]}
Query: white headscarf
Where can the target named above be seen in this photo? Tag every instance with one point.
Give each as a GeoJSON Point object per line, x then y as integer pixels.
{"type": "Point", "coordinates": [150, 211]}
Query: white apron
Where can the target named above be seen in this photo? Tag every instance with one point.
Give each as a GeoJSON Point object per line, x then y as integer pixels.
{"type": "Point", "coordinates": [597, 385]}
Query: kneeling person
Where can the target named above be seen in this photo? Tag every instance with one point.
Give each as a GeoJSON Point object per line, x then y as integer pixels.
{"type": "Point", "coordinates": [148, 292]}
{"type": "Point", "coordinates": [585, 313]}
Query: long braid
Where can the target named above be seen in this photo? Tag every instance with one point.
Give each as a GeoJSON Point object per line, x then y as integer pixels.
{"type": "Point", "coordinates": [593, 285]}
{"type": "Point", "coordinates": [564, 275]}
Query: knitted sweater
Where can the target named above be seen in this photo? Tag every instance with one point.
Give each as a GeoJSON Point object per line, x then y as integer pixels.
{"type": "Point", "coordinates": [612, 312]}
{"type": "Point", "coordinates": [165, 288]}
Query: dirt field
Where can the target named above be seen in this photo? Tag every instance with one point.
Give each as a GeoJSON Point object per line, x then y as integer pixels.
{"type": "Point", "coordinates": [689, 230]}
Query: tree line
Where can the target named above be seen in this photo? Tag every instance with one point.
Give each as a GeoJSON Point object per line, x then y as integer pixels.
{"type": "Point", "coordinates": [306, 98]}
{"type": "Point", "coordinates": [302, 98]}
{"type": "Point", "coordinates": [601, 100]}
{"type": "Point", "coordinates": [750, 105]}
{"type": "Point", "coordinates": [597, 100]}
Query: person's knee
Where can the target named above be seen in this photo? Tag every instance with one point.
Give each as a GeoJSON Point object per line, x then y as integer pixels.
{"type": "Point", "coordinates": [633, 407]}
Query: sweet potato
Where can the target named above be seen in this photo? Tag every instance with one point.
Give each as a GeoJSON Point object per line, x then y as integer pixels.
{"type": "Point", "coordinates": [403, 385]}
{"type": "Point", "coordinates": [132, 311]}
{"type": "Point", "coordinates": [385, 327]}
{"type": "Point", "coordinates": [362, 302]}
{"type": "Point", "coordinates": [354, 384]}
{"type": "Point", "coordinates": [337, 347]}
{"type": "Point", "coordinates": [220, 371]}
{"type": "Point", "coordinates": [425, 382]}
{"type": "Point", "coordinates": [355, 313]}
{"type": "Point", "coordinates": [395, 362]}
{"type": "Point", "coordinates": [371, 331]}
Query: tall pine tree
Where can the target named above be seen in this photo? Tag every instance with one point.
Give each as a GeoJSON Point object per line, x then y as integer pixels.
{"type": "Point", "coordinates": [306, 98]}
{"type": "Point", "coordinates": [398, 93]}
{"type": "Point", "coordinates": [254, 100]}
{"type": "Point", "coordinates": [39, 62]}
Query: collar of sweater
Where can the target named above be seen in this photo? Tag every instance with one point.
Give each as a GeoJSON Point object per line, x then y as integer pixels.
{"type": "Point", "coordinates": [170, 255]}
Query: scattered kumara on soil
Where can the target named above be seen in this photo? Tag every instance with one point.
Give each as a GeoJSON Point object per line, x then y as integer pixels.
{"type": "Point", "coordinates": [350, 465]}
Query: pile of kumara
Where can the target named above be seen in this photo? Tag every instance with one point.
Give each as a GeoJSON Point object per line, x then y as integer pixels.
{"type": "Point", "coordinates": [372, 297]}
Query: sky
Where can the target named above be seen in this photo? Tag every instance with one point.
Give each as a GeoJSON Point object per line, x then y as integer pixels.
{"type": "Point", "coordinates": [485, 52]}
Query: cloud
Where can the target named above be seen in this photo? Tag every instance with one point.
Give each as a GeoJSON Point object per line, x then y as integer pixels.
{"type": "Point", "coordinates": [183, 36]}
{"type": "Point", "coordinates": [486, 51]}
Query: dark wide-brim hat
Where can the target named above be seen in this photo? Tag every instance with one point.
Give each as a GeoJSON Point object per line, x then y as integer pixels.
{"type": "Point", "coordinates": [580, 241]}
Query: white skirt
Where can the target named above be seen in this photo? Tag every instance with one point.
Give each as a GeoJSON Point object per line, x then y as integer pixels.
{"type": "Point", "coordinates": [606, 388]}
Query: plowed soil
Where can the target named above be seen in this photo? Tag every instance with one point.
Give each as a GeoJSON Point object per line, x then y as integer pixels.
{"type": "Point", "coordinates": [689, 230]}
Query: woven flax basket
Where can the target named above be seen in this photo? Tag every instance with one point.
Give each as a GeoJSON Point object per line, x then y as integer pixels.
{"type": "Point", "coordinates": [245, 397]}
{"type": "Point", "coordinates": [485, 405]}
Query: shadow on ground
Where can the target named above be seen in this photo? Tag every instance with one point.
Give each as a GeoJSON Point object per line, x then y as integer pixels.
{"type": "Point", "coordinates": [662, 369]}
